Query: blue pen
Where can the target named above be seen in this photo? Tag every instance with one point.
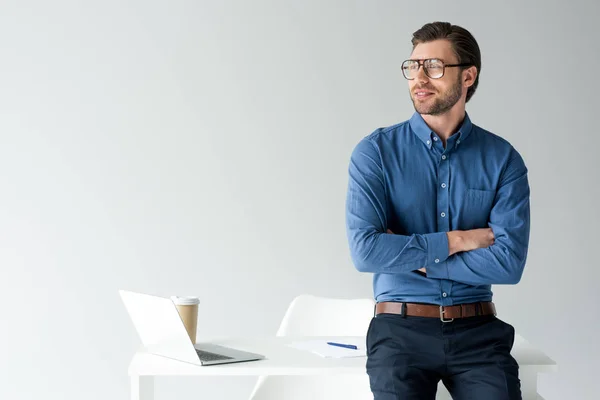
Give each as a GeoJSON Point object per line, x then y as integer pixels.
{"type": "Point", "coordinates": [347, 346]}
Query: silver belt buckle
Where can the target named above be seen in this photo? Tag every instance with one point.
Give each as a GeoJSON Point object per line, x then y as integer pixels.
{"type": "Point", "coordinates": [442, 315]}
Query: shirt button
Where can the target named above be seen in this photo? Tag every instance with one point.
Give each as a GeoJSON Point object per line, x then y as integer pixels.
{"type": "Point", "coordinates": [435, 138]}
{"type": "Point", "coordinates": [437, 260]}
{"type": "Point", "coordinates": [443, 185]}
{"type": "Point", "coordinates": [444, 294]}
{"type": "Point", "coordinates": [443, 157]}
{"type": "Point", "coordinates": [458, 141]}
{"type": "Point", "coordinates": [443, 214]}
{"type": "Point", "coordinates": [428, 142]}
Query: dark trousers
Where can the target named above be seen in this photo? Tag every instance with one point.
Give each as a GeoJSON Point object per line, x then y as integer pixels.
{"type": "Point", "coordinates": [408, 356]}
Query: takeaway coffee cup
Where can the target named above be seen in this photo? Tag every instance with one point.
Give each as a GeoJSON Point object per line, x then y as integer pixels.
{"type": "Point", "coordinates": [188, 310]}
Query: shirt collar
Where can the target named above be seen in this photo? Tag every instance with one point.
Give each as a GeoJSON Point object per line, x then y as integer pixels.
{"type": "Point", "coordinates": [422, 130]}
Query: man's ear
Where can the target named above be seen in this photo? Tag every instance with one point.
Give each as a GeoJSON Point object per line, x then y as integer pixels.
{"type": "Point", "coordinates": [469, 76]}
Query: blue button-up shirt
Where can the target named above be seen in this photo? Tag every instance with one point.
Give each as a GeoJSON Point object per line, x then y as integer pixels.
{"type": "Point", "coordinates": [403, 179]}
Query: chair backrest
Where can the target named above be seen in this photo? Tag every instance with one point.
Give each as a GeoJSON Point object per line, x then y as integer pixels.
{"type": "Point", "coordinates": [310, 315]}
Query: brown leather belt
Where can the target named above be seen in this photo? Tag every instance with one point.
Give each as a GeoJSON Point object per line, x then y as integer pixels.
{"type": "Point", "coordinates": [444, 313]}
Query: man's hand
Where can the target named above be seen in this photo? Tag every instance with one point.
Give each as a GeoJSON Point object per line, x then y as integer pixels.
{"type": "Point", "coordinates": [420, 269]}
{"type": "Point", "coordinates": [466, 240]}
{"type": "Point", "coordinates": [470, 240]}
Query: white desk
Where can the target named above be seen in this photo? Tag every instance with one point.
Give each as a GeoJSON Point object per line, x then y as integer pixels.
{"type": "Point", "coordinates": [285, 360]}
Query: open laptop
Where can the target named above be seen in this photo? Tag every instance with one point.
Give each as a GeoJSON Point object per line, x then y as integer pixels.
{"type": "Point", "coordinates": [162, 332]}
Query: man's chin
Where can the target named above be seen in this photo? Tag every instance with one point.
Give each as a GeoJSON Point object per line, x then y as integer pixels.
{"type": "Point", "coordinates": [428, 109]}
{"type": "Point", "coordinates": [423, 110]}
{"type": "Point", "coordinates": [421, 107]}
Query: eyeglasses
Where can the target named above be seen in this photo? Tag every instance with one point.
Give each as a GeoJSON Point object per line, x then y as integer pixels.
{"type": "Point", "coordinates": [433, 67]}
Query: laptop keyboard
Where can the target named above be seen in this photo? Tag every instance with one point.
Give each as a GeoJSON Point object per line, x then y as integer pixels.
{"type": "Point", "coordinates": [208, 356]}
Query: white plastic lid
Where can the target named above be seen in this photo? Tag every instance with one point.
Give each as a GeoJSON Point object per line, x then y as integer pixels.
{"type": "Point", "coordinates": [185, 301]}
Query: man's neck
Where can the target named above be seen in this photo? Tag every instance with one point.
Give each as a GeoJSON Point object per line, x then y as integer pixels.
{"type": "Point", "coordinates": [445, 125]}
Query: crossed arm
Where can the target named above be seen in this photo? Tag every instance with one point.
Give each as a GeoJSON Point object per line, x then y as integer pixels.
{"type": "Point", "coordinates": [444, 255]}
{"type": "Point", "coordinates": [465, 241]}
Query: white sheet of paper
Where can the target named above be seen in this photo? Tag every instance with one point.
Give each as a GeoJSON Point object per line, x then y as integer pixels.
{"type": "Point", "coordinates": [320, 347]}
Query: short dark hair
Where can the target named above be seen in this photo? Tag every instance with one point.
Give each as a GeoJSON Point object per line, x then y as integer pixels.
{"type": "Point", "coordinates": [463, 43]}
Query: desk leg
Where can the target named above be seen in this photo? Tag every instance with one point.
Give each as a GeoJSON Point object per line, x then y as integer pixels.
{"type": "Point", "coordinates": [528, 384]}
{"type": "Point", "coordinates": [142, 387]}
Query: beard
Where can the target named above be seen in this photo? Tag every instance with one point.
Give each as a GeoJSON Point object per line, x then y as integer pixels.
{"type": "Point", "coordinates": [440, 105]}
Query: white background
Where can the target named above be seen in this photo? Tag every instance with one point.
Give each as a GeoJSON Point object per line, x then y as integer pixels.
{"type": "Point", "coordinates": [201, 148]}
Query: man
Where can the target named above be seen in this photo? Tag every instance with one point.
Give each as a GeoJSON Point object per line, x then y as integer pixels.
{"type": "Point", "coordinates": [438, 210]}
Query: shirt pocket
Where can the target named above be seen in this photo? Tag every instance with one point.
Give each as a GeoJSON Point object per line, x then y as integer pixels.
{"type": "Point", "coordinates": [477, 207]}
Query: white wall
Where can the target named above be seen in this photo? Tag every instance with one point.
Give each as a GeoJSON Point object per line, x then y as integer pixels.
{"type": "Point", "coordinates": [201, 148]}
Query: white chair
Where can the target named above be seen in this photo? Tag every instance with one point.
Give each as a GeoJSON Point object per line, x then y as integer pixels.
{"type": "Point", "coordinates": [310, 315]}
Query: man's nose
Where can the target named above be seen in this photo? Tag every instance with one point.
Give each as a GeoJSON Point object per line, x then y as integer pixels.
{"type": "Point", "coordinates": [421, 75]}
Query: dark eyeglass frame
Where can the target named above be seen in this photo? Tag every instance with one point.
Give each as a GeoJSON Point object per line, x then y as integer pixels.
{"type": "Point", "coordinates": [422, 63]}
